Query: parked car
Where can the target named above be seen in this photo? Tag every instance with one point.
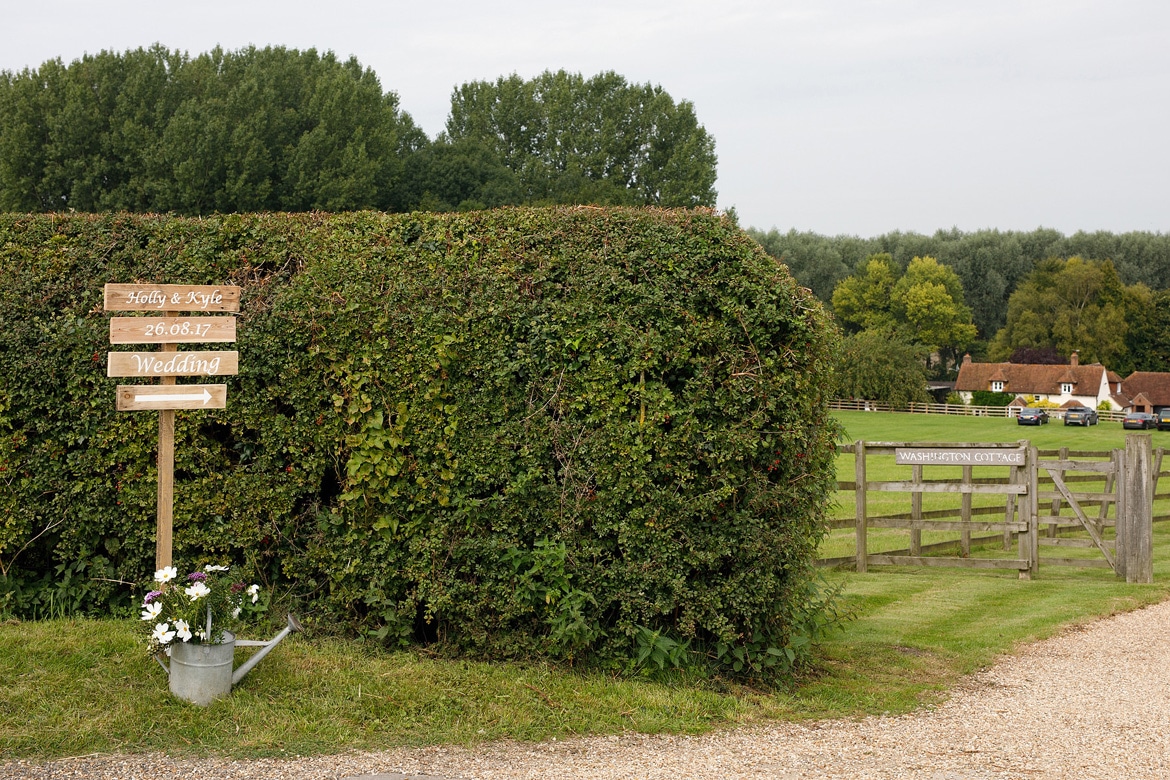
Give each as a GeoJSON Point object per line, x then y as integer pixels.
{"type": "Point", "coordinates": [1080, 415]}
{"type": "Point", "coordinates": [1032, 416]}
{"type": "Point", "coordinates": [1164, 419]}
{"type": "Point", "coordinates": [1140, 420]}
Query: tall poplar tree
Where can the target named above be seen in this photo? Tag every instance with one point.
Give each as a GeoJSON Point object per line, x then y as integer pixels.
{"type": "Point", "coordinates": [602, 140]}
{"type": "Point", "coordinates": [154, 130]}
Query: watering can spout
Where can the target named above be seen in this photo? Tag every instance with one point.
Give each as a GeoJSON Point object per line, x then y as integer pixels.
{"type": "Point", "coordinates": [265, 648]}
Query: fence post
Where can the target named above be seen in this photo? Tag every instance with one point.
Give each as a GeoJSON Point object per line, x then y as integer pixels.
{"type": "Point", "coordinates": [965, 514]}
{"type": "Point", "coordinates": [859, 501]}
{"type": "Point", "coordinates": [1010, 511]}
{"type": "Point", "coordinates": [1121, 528]}
{"type": "Point", "coordinates": [1139, 509]}
{"type": "Point", "coordinates": [1030, 540]}
{"type": "Point", "coordinates": [916, 512]}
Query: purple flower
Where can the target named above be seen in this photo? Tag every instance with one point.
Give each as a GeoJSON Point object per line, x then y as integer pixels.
{"type": "Point", "coordinates": [154, 594]}
{"type": "Point", "coordinates": [237, 587]}
{"type": "Point", "coordinates": [197, 576]}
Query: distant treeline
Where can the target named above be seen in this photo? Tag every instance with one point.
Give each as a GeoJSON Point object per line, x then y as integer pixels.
{"type": "Point", "coordinates": [275, 129]}
{"type": "Point", "coordinates": [990, 263]}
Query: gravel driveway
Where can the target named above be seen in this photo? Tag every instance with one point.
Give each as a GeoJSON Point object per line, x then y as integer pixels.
{"type": "Point", "coordinates": [1091, 703]}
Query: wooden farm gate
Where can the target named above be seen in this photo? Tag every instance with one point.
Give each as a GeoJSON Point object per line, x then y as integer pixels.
{"type": "Point", "coordinates": [1012, 494]}
{"type": "Point", "coordinates": [1085, 486]}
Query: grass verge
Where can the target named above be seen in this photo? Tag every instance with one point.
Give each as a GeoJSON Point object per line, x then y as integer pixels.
{"type": "Point", "coordinates": [73, 687]}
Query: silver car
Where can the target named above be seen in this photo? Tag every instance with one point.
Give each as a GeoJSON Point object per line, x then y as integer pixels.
{"type": "Point", "coordinates": [1080, 415]}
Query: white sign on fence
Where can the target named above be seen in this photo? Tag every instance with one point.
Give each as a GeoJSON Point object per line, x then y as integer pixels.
{"type": "Point", "coordinates": [958, 457]}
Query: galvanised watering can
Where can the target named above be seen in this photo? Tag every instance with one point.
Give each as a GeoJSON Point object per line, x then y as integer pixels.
{"type": "Point", "coordinates": [202, 673]}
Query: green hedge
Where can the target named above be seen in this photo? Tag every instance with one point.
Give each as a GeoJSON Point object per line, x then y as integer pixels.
{"type": "Point", "coordinates": [989, 398]}
{"type": "Point", "coordinates": [573, 432]}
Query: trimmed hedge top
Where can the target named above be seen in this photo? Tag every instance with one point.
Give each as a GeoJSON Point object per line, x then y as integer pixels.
{"type": "Point", "coordinates": [565, 431]}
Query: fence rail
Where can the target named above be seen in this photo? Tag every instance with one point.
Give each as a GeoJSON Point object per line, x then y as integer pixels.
{"type": "Point", "coordinates": [964, 410]}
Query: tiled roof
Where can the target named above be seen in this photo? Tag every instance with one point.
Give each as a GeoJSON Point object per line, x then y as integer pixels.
{"type": "Point", "coordinates": [1154, 385]}
{"type": "Point", "coordinates": [1028, 378]}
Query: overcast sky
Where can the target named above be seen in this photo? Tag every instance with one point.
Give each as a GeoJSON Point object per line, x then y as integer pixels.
{"type": "Point", "coordinates": [842, 116]}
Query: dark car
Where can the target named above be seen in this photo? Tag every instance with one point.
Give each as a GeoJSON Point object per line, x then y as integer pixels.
{"type": "Point", "coordinates": [1080, 415]}
{"type": "Point", "coordinates": [1139, 420]}
{"type": "Point", "coordinates": [1032, 416]}
{"type": "Point", "coordinates": [1164, 419]}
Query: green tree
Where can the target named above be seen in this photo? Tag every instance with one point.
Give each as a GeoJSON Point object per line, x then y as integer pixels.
{"type": "Point", "coordinates": [152, 130]}
{"type": "Point", "coordinates": [459, 176]}
{"type": "Point", "coordinates": [924, 305]}
{"type": "Point", "coordinates": [602, 140]}
{"type": "Point", "coordinates": [929, 304]}
{"type": "Point", "coordinates": [1148, 337]}
{"type": "Point", "coordinates": [991, 264]}
{"type": "Point", "coordinates": [1072, 305]}
{"type": "Point", "coordinates": [879, 366]}
{"type": "Point", "coordinates": [863, 301]}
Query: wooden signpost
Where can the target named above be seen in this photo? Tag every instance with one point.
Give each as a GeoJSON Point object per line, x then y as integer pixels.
{"type": "Point", "coordinates": [172, 301]}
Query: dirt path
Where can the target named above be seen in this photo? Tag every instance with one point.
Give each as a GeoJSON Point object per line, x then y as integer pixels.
{"type": "Point", "coordinates": [1090, 703]}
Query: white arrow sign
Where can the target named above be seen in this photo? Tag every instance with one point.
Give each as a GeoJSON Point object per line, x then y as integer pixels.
{"type": "Point", "coordinates": [159, 399]}
{"type": "Point", "coordinates": [138, 397]}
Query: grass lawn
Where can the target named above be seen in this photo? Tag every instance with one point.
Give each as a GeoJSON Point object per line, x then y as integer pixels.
{"type": "Point", "coordinates": [70, 687]}
{"type": "Point", "coordinates": [885, 426]}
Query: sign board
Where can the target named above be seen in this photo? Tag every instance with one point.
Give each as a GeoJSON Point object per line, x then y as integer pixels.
{"type": "Point", "coordinates": [133, 398]}
{"type": "Point", "coordinates": [168, 363]}
{"type": "Point", "coordinates": [172, 330]}
{"type": "Point", "coordinates": [173, 364]}
{"type": "Point", "coordinates": [172, 297]}
{"type": "Point", "coordinates": [958, 456]}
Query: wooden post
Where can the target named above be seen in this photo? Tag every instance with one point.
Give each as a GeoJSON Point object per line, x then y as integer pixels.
{"type": "Point", "coordinates": [859, 501]}
{"type": "Point", "coordinates": [916, 512]}
{"type": "Point", "coordinates": [965, 515]}
{"type": "Point", "coordinates": [1009, 514]}
{"type": "Point", "coordinates": [1139, 509]}
{"type": "Point", "coordinates": [1029, 542]}
{"type": "Point", "coordinates": [1119, 542]}
{"type": "Point", "coordinates": [166, 475]}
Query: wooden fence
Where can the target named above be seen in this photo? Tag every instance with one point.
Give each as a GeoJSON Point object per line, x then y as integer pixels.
{"type": "Point", "coordinates": [963, 410]}
{"type": "Point", "coordinates": [1009, 495]}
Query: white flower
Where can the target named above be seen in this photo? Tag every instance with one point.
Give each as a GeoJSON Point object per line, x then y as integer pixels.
{"type": "Point", "coordinates": [166, 574]}
{"type": "Point", "coordinates": [235, 613]}
{"type": "Point", "coordinates": [254, 592]}
{"type": "Point", "coordinates": [162, 634]}
{"type": "Point", "coordinates": [150, 611]}
{"type": "Point", "coordinates": [182, 630]}
{"type": "Point", "coordinates": [209, 567]}
{"type": "Point", "coordinates": [197, 591]}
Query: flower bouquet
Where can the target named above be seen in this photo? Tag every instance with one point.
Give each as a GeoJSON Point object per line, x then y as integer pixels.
{"type": "Point", "coordinates": [198, 608]}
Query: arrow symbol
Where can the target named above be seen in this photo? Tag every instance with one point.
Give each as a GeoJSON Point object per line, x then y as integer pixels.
{"type": "Point", "coordinates": [160, 398]}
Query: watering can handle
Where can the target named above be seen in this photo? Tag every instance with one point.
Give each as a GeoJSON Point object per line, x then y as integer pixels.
{"type": "Point", "coordinates": [158, 657]}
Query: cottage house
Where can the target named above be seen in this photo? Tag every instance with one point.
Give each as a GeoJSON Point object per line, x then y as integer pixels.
{"type": "Point", "coordinates": [1072, 385]}
{"type": "Point", "coordinates": [1147, 391]}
